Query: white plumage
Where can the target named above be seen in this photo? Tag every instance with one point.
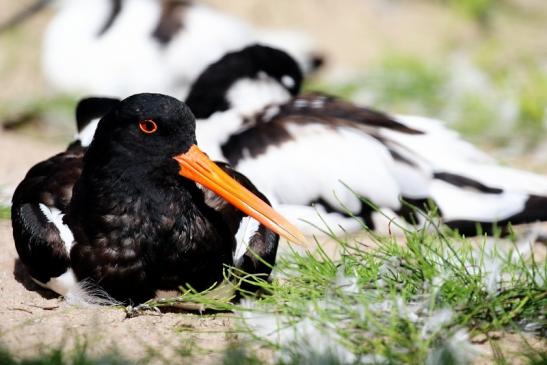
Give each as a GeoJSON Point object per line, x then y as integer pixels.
{"type": "Point", "coordinates": [247, 229]}
{"type": "Point", "coordinates": [317, 171]}
{"type": "Point", "coordinates": [55, 216]}
{"type": "Point", "coordinates": [126, 59]}
{"type": "Point", "coordinates": [323, 160]}
{"type": "Point", "coordinates": [315, 156]}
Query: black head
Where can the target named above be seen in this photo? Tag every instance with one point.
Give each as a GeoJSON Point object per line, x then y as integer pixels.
{"type": "Point", "coordinates": [208, 93]}
{"type": "Point", "coordinates": [276, 64]}
{"type": "Point", "coordinates": [150, 138]}
{"type": "Point", "coordinates": [144, 127]}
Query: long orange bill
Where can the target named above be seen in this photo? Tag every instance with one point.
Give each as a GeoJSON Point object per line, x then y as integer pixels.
{"type": "Point", "coordinates": [196, 166]}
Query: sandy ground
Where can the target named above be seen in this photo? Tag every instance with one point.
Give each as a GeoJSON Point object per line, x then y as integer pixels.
{"type": "Point", "coordinates": [33, 320]}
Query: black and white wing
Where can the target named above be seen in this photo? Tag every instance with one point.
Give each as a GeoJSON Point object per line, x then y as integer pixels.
{"type": "Point", "coordinates": [468, 186]}
{"type": "Point", "coordinates": [42, 239]}
{"type": "Point", "coordinates": [331, 145]}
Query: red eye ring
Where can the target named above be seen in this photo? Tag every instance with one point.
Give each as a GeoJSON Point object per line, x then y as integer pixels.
{"type": "Point", "coordinates": [148, 126]}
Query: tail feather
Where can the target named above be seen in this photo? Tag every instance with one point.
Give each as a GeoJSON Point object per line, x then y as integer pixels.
{"type": "Point", "coordinates": [534, 210]}
{"type": "Point", "coordinates": [469, 188]}
{"type": "Point", "coordinates": [474, 208]}
{"type": "Point", "coordinates": [500, 177]}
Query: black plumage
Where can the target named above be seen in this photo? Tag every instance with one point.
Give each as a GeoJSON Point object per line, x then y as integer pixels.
{"type": "Point", "coordinates": [138, 225]}
{"type": "Point", "coordinates": [37, 240]}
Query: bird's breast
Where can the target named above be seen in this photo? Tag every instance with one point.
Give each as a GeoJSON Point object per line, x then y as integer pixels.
{"type": "Point", "coordinates": [133, 244]}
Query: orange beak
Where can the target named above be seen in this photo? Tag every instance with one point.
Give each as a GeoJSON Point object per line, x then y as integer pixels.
{"type": "Point", "coordinates": [196, 166]}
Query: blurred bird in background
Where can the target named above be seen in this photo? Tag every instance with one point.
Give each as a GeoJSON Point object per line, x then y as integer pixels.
{"type": "Point", "coordinates": [122, 47]}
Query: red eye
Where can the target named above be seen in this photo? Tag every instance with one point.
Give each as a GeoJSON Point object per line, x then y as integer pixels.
{"type": "Point", "coordinates": [148, 126]}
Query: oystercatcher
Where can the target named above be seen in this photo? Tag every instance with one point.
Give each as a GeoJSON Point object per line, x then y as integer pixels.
{"type": "Point", "coordinates": [141, 209]}
{"type": "Point", "coordinates": [250, 113]}
{"type": "Point", "coordinates": [118, 48]}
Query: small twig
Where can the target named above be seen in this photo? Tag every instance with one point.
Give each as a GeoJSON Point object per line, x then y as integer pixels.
{"type": "Point", "coordinates": [45, 307]}
{"type": "Point", "coordinates": [20, 309]}
{"type": "Point", "coordinates": [141, 309]}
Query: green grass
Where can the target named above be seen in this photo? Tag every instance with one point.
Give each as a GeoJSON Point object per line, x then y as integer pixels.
{"type": "Point", "coordinates": [398, 304]}
{"type": "Point", "coordinates": [56, 356]}
{"type": "Point", "coordinates": [480, 11]}
{"type": "Point", "coordinates": [5, 212]}
{"type": "Point", "coordinates": [382, 302]}
{"type": "Point", "coordinates": [416, 303]}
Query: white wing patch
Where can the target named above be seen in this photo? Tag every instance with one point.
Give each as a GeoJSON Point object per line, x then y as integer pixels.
{"type": "Point", "coordinates": [86, 135]}
{"type": "Point", "coordinates": [444, 151]}
{"type": "Point", "coordinates": [247, 228]}
{"type": "Point", "coordinates": [312, 164]}
{"type": "Point", "coordinates": [212, 132]}
{"type": "Point", "coordinates": [250, 96]}
{"type": "Point", "coordinates": [314, 220]}
{"type": "Point", "coordinates": [55, 216]}
{"type": "Point", "coordinates": [456, 203]}
{"type": "Point", "coordinates": [317, 161]}
{"type": "Point", "coordinates": [438, 145]}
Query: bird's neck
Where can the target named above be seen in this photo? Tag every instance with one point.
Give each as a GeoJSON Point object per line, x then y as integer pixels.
{"type": "Point", "coordinates": [246, 98]}
{"type": "Point", "coordinates": [249, 96]}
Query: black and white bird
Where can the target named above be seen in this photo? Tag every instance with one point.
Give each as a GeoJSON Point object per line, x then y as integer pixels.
{"type": "Point", "coordinates": [140, 209]}
{"type": "Point", "coordinates": [122, 47]}
{"type": "Point", "coordinates": [250, 113]}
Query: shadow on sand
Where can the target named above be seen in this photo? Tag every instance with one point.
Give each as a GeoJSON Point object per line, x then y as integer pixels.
{"type": "Point", "coordinates": [22, 276]}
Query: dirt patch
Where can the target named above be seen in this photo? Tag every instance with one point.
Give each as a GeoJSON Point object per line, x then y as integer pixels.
{"type": "Point", "coordinates": [34, 320]}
